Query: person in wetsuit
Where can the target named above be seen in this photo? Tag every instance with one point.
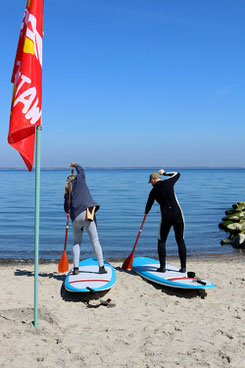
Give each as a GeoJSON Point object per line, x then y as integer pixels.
{"type": "Point", "coordinates": [171, 215]}
{"type": "Point", "coordinates": [82, 207]}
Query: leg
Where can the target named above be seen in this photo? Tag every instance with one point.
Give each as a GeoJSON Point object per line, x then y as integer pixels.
{"type": "Point", "coordinates": [179, 236]}
{"type": "Point", "coordinates": [164, 229]}
{"type": "Point", "coordinates": [77, 233]}
{"type": "Point", "coordinates": [93, 235]}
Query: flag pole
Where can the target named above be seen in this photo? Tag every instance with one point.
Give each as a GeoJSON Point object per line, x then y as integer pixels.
{"type": "Point", "coordinates": [37, 211]}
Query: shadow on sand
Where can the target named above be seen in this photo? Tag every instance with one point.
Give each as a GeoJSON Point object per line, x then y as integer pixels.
{"type": "Point", "coordinates": [54, 275]}
{"type": "Point", "coordinates": [91, 299]}
{"type": "Point", "coordinates": [85, 298]}
{"type": "Point", "coordinates": [180, 293]}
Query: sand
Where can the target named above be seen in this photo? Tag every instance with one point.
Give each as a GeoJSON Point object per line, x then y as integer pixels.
{"type": "Point", "coordinates": [149, 326]}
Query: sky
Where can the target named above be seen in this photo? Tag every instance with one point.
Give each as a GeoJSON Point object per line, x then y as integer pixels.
{"type": "Point", "coordinates": [134, 83]}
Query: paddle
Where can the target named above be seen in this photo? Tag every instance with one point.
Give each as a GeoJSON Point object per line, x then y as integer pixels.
{"type": "Point", "coordinates": [64, 264]}
{"type": "Point", "coordinates": [127, 264]}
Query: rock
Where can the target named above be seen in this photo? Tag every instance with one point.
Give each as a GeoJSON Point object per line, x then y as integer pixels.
{"type": "Point", "coordinates": [234, 227]}
{"type": "Point", "coordinates": [225, 242]}
{"type": "Point", "coordinates": [230, 212]}
{"type": "Point", "coordinates": [239, 241]}
{"type": "Point", "coordinates": [235, 217]}
{"type": "Point", "coordinates": [234, 223]}
{"type": "Point", "coordinates": [240, 206]}
{"type": "Point", "coordinates": [224, 225]}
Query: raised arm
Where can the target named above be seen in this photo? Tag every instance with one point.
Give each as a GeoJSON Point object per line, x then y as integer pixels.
{"type": "Point", "coordinates": [79, 169]}
{"type": "Point", "coordinates": [173, 175]}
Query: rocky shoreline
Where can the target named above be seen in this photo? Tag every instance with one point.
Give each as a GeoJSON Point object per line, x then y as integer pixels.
{"type": "Point", "coordinates": [234, 224]}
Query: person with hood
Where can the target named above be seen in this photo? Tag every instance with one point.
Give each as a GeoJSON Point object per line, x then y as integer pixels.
{"type": "Point", "coordinates": [82, 207]}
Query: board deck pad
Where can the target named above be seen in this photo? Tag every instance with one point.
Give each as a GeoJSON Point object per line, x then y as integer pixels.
{"type": "Point", "coordinates": [147, 268]}
{"type": "Point", "coordinates": [89, 277]}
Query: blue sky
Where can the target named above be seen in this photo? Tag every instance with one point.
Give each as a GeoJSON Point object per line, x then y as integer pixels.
{"type": "Point", "coordinates": [134, 82]}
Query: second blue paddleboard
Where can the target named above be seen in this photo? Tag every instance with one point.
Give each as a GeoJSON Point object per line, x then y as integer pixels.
{"type": "Point", "coordinates": [147, 268]}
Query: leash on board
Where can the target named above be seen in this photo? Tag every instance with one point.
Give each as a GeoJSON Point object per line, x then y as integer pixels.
{"type": "Point", "coordinates": [196, 278]}
{"type": "Point", "coordinates": [107, 303]}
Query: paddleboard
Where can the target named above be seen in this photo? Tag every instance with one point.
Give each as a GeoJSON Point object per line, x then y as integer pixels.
{"type": "Point", "coordinates": [89, 277]}
{"type": "Point", "coordinates": [147, 268]}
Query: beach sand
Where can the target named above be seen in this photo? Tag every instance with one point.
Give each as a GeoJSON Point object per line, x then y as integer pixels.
{"type": "Point", "coordinates": [149, 326]}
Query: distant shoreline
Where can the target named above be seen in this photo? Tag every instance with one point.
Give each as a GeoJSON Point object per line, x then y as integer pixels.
{"type": "Point", "coordinates": [128, 168]}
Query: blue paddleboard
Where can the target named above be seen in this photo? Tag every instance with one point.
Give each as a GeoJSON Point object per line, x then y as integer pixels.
{"type": "Point", "coordinates": [147, 268]}
{"type": "Point", "coordinates": [89, 277]}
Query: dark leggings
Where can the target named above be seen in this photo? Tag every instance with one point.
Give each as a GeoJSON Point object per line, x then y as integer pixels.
{"type": "Point", "coordinates": [165, 226]}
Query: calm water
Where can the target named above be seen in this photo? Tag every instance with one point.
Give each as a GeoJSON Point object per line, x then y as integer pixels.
{"type": "Point", "coordinates": [204, 196]}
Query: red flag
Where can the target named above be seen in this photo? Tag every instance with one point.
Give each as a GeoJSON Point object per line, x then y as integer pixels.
{"type": "Point", "coordinates": [27, 78]}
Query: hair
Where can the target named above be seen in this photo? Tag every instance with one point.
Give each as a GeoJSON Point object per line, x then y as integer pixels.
{"type": "Point", "coordinates": [68, 186]}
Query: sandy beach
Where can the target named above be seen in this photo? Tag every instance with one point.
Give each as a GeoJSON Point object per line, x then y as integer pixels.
{"type": "Point", "coordinates": [149, 326]}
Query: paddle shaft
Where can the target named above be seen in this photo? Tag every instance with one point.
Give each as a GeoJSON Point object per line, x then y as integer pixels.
{"type": "Point", "coordinates": [136, 241]}
{"type": "Point", "coordinates": [127, 264]}
{"type": "Point", "coordinates": [63, 263]}
{"type": "Point", "coordinates": [67, 226]}
{"type": "Point", "coordinates": [67, 223]}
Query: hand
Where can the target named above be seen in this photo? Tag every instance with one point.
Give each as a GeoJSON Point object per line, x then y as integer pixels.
{"type": "Point", "coordinates": [161, 172]}
{"type": "Point", "coordinates": [73, 164]}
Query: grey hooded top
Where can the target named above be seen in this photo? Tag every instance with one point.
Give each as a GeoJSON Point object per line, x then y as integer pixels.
{"type": "Point", "coordinates": [80, 196]}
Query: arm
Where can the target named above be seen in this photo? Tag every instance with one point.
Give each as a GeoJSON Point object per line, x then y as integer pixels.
{"type": "Point", "coordinates": [79, 169]}
{"type": "Point", "coordinates": [150, 202]}
{"type": "Point", "coordinates": [173, 175]}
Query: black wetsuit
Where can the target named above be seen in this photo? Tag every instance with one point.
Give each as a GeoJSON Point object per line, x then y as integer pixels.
{"type": "Point", "coordinates": [163, 193]}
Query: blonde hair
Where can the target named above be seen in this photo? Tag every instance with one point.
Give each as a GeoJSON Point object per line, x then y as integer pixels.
{"type": "Point", "coordinates": [68, 186]}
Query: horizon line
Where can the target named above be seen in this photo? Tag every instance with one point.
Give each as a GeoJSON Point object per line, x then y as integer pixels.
{"type": "Point", "coordinates": [61, 168]}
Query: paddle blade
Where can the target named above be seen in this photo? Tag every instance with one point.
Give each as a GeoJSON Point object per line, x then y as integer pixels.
{"type": "Point", "coordinates": [63, 264]}
{"type": "Point", "coordinates": [127, 264]}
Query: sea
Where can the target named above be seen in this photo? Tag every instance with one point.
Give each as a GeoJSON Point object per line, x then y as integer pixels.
{"type": "Point", "coordinates": [204, 196]}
